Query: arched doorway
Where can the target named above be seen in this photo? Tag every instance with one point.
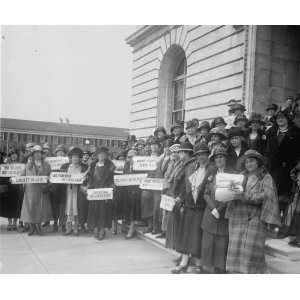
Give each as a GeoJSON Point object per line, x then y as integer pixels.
{"type": "Point", "coordinates": [171, 94]}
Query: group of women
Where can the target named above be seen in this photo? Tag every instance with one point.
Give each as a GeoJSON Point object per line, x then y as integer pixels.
{"type": "Point", "coordinates": [213, 236]}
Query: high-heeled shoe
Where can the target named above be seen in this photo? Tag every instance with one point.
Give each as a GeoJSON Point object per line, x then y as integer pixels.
{"type": "Point", "coordinates": [180, 269]}
{"type": "Point", "coordinates": [102, 234]}
{"type": "Point", "coordinates": [31, 230]}
{"type": "Point", "coordinates": [130, 235]}
{"type": "Point", "coordinates": [177, 260]}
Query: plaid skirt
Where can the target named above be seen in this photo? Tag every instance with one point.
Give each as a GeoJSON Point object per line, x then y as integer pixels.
{"type": "Point", "coordinates": [246, 246]}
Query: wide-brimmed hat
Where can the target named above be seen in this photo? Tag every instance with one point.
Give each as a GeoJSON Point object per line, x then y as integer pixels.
{"type": "Point", "coordinates": [36, 148]}
{"type": "Point", "coordinates": [192, 123]}
{"type": "Point", "coordinates": [253, 154]}
{"type": "Point", "coordinates": [75, 151]}
{"type": "Point", "coordinates": [201, 148]}
{"type": "Point", "coordinates": [235, 131]}
{"type": "Point", "coordinates": [237, 106]}
{"type": "Point", "coordinates": [160, 129]}
{"type": "Point", "coordinates": [46, 146]}
{"type": "Point", "coordinates": [29, 145]}
{"type": "Point", "coordinates": [272, 107]}
{"type": "Point", "coordinates": [174, 148]}
{"type": "Point", "coordinates": [218, 131]}
{"type": "Point", "coordinates": [232, 102]}
{"type": "Point", "coordinates": [256, 117]}
{"type": "Point", "coordinates": [220, 150]}
{"type": "Point", "coordinates": [121, 153]}
{"type": "Point", "coordinates": [60, 148]}
{"type": "Point", "coordinates": [204, 124]}
{"type": "Point", "coordinates": [217, 121]}
{"type": "Point", "coordinates": [102, 149]}
{"type": "Point", "coordinates": [186, 146]}
{"type": "Point", "coordinates": [178, 124]}
{"type": "Point", "coordinates": [240, 117]}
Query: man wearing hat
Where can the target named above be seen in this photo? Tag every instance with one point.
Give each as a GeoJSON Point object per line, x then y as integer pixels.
{"type": "Point", "coordinates": [269, 119]}
{"type": "Point", "coordinates": [283, 151]}
{"type": "Point", "coordinates": [237, 109]}
{"type": "Point", "coordinates": [177, 131]}
{"type": "Point", "coordinates": [289, 106]}
{"type": "Point", "coordinates": [231, 103]}
{"type": "Point", "coordinates": [237, 146]}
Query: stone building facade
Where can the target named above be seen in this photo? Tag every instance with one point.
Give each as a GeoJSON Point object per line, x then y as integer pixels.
{"type": "Point", "coordinates": [185, 72]}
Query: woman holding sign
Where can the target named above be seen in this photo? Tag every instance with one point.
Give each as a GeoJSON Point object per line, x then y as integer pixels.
{"type": "Point", "coordinates": [190, 232]}
{"type": "Point", "coordinates": [75, 202]}
{"type": "Point", "coordinates": [36, 206]}
{"type": "Point", "coordinates": [100, 212]}
{"type": "Point", "coordinates": [214, 223]}
{"type": "Point", "coordinates": [249, 216]}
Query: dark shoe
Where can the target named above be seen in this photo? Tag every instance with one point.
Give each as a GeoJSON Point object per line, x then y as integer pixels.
{"type": "Point", "coordinates": [148, 230]}
{"type": "Point", "coordinates": [180, 269]}
{"type": "Point", "coordinates": [294, 243]}
{"type": "Point", "coordinates": [31, 230]}
{"type": "Point", "coordinates": [154, 232]}
{"type": "Point", "coordinates": [14, 227]}
{"type": "Point", "coordinates": [39, 229]}
{"type": "Point", "coordinates": [9, 227]}
{"type": "Point", "coordinates": [46, 224]}
{"type": "Point", "coordinates": [102, 234]}
{"type": "Point", "coordinates": [161, 235]}
{"type": "Point", "coordinates": [25, 229]}
{"type": "Point", "coordinates": [55, 228]}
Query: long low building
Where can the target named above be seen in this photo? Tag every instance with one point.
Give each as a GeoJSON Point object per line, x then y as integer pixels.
{"type": "Point", "coordinates": [16, 133]}
{"type": "Point", "coordinates": [184, 72]}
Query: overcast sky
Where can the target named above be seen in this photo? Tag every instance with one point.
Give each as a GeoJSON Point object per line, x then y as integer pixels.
{"type": "Point", "coordinates": [79, 72]}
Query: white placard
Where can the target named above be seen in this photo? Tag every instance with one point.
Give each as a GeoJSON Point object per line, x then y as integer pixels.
{"type": "Point", "coordinates": [129, 179]}
{"type": "Point", "coordinates": [167, 202]}
{"type": "Point", "coordinates": [56, 162]}
{"type": "Point", "coordinates": [66, 178]}
{"type": "Point", "coordinates": [145, 163]}
{"type": "Point", "coordinates": [155, 184]}
{"type": "Point", "coordinates": [11, 170]}
{"type": "Point", "coordinates": [119, 164]}
{"type": "Point", "coordinates": [100, 194]}
{"type": "Point", "coordinates": [224, 184]}
{"type": "Point", "coordinates": [29, 179]}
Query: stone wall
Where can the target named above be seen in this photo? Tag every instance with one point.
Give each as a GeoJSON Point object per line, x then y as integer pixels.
{"type": "Point", "coordinates": [277, 65]}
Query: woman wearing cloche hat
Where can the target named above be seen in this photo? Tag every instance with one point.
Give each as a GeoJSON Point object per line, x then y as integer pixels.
{"type": "Point", "coordinates": [249, 215]}
{"type": "Point", "coordinates": [36, 206]}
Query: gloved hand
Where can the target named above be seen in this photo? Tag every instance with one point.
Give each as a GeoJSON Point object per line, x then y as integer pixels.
{"type": "Point", "coordinates": [215, 213]}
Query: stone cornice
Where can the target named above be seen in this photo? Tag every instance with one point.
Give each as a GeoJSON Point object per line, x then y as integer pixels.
{"type": "Point", "coordinates": [143, 34]}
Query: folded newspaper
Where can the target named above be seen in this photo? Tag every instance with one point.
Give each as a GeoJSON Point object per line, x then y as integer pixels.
{"type": "Point", "coordinates": [227, 186]}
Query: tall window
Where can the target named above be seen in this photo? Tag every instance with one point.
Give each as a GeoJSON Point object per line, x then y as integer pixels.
{"type": "Point", "coordinates": [179, 92]}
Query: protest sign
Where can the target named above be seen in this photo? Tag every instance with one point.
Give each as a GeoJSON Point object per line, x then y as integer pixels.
{"type": "Point", "coordinates": [56, 162]}
{"type": "Point", "coordinates": [11, 170]}
{"type": "Point", "coordinates": [119, 164]}
{"type": "Point", "coordinates": [145, 163]}
{"type": "Point", "coordinates": [129, 179]}
{"type": "Point", "coordinates": [167, 202]}
{"type": "Point", "coordinates": [66, 178]}
{"type": "Point", "coordinates": [29, 179]}
{"type": "Point", "coordinates": [227, 186]}
{"type": "Point", "coordinates": [155, 184]}
{"type": "Point", "coordinates": [100, 194]}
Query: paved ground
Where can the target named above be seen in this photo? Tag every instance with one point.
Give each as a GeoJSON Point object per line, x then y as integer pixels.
{"type": "Point", "coordinates": [54, 253]}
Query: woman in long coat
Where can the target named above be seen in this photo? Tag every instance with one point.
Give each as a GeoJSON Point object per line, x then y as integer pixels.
{"type": "Point", "coordinates": [190, 231]}
{"type": "Point", "coordinates": [36, 206]}
{"type": "Point", "coordinates": [100, 213]}
{"type": "Point", "coordinates": [214, 223]}
{"type": "Point", "coordinates": [249, 216]}
{"type": "Point", "coordinates": [74, 206]}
